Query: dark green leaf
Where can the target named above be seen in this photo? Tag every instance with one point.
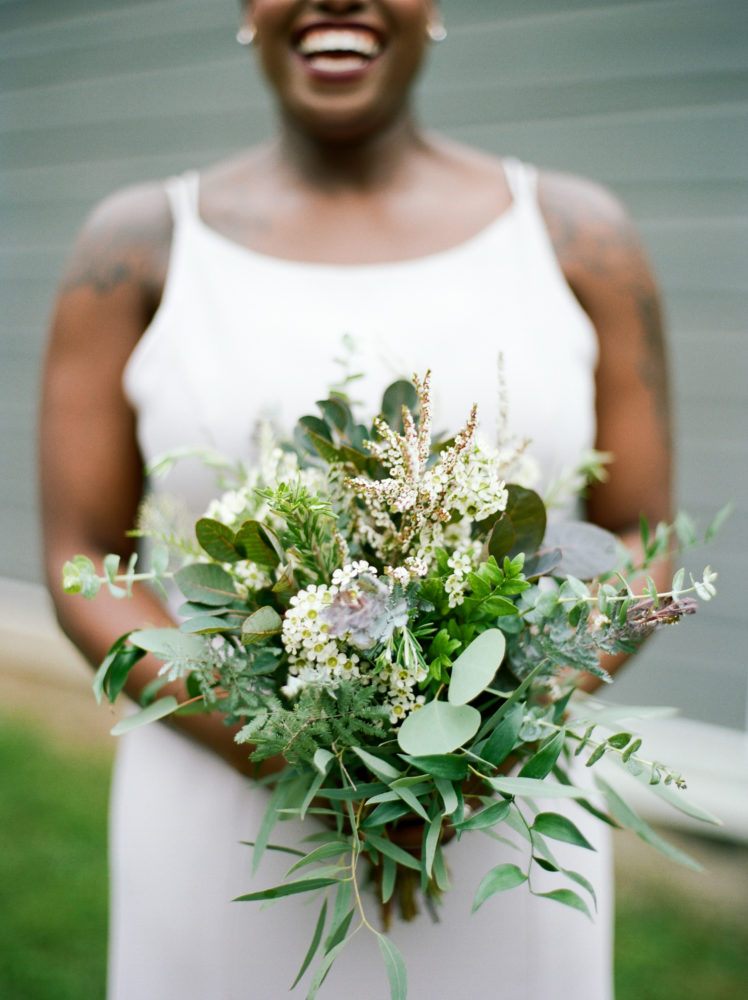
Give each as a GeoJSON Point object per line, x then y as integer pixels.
{"type": "Point", "coordinates": [544, 561]}
{"type": "Point", "coordinates": [287, 889]}
{"type": "Point", "coordinates": [259, 543]}
{"type": "Point", "coordinates": [217, 540]}
{"type": "Point", "coordinates": [112, 675]}
{"type": "Point", "coordinates": [396, 396]}
{"type": "Point", "coordinates": [541, 764]}
{"type": "Point", "coordinates": [316, 938]}
{"type": "Point", "coordinates": [521, 527]}
{"type": "Point", "coordinates": [440, 765]}
{"type": "Point", "coordinates": [560, 828]}
{"type": "Point", "coordinates": [317, 426]}
{"type": "Point", "coordinates": [503, 739]}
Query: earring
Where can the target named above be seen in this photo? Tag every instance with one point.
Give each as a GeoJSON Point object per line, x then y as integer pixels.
{"type": "Point", "coordinates": [246, 35]}
{"type": "Point", "coordinates": [436, 32]}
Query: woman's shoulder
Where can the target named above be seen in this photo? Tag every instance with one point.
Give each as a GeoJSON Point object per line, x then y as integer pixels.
{"type": "Point", "coordinates": [592, 233]}
{"type": "Point", "coordinates": [125, 238]}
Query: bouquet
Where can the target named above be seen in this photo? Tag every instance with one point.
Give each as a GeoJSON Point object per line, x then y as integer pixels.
{"type": "Point", "coordinates": [394, 616]}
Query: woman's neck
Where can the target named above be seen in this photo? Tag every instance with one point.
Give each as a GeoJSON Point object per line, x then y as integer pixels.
{"type": "Point", "coordinates": [362, 163]}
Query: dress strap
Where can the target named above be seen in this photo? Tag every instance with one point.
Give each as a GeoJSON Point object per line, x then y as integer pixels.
{"type": "Point", "coordinates": [183, 193]}
{"type": "Point", "coordinates": [522, 179]}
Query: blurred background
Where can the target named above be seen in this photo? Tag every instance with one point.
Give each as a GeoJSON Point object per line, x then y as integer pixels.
{"type": "Point", "coordinates": [650, 98]}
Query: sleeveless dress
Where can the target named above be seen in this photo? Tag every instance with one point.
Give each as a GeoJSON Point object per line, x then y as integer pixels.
{"type": "Point", "coordinates": [241, 336]}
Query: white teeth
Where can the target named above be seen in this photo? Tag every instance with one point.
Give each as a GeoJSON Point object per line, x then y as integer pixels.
{"type": "Point", "coordinates": [344, 40]}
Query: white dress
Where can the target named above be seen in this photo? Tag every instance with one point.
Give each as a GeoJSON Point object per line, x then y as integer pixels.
{"type": "Point", "coordinates": [240, 336]}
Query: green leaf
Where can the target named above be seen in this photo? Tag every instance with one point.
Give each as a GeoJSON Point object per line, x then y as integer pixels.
{"type": "Point", "coordinates": [438, 728]}
{"type": "Point", "coordinates": [286, 889]}
{"type": "Point", "coordinates": [330, 850]}
{"type": "Point", "coordinates": [218, 540]}
{"type": "Point", "coordinates": [336, 413]}
{"type": "Point", "coordinates": [397, 854]}
{"type": "Point", "coordinates": [318, 427]}
{"type": "Point", "coordinates": [323, 968]}
{"type": "Point", "coordinates": [389, 877]}
{"type": "Point", "coordinates": [430, 843]}
{"type": "Point", "coordinates": [270, 818]}
{"type": "Point", "coordinates": [499, 879]}
{"type": "Point", "coordinates": [476, 667]}
{"type": "Point", "coordinates": [448, 795]}
{"type": "Point", "coordinates": [587, 550]}
{"type": "Point", "coordinates": [541, 764]}
{"type": "Point", "coordinates": [396, 396]}
{"type": "Point", "coordinates": [168, 643]}
{"type": "Point", "coordinates": [628, 818]}
{"type": "Point", "coordinates": [158, 710]}
{"type": "Point", "coordinates": [206, 583]}
{"type": "Point", "coordinates": [568, 897]}
{"type": "Point", "coordinates": [408, 796]}
{"type": "Point", "coordinates": [521, 527]}
{"type": "Point", "coordinates": [79, 577]}
{"type": "Point", "coordinates": [261, 624]}
{"type": "Point", "coordinates": [323, 759]}
{"type": "Point", "coordinates": [535, 788]}
{"type": "Point", "coordinates": [490, 816]}
{"type": "Point", "coordinates": [440, 765]}
{"type": "Point", "coordinates": [377, 766]}
{"type": "Point", "coordinates": [112, 675]}
{"type": "Point", "coordinates": [395, 966]}
{"type": "Point", "coordinates": [503, 739]}
{"type": "Point", "coordinates": [316, 938]}
{"type": "Point", "coordinates": [205, 625]}
{"type": "Point", "coordinates": [560, 828]}
{"type": "Point", "coordinates": [260, 544]}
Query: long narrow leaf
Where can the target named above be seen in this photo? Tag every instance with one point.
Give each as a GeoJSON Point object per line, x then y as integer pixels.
{"type": "Point", "coordinates": [395, 966]}
{"type": "Point", "coordinates": [316, 938]}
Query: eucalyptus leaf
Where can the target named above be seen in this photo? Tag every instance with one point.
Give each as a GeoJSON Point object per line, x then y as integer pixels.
{"type": "Point", "coordinates": [440, 765]}
{"type": "Point", "coordinates": [486, 818]}
{"type": "Point", "coordinates": [476, 667]}
{"type": "Point", "coordinates": [537, 788]}
{"type": "Point", "coordinates": [316, 938]}
{"type": "Point", "coordinates": [381, 768]}
{"type": "Point", "coordinates": [206, 583]}
{"type": "Point", "coordinates": [168, 643]}
{"type": "Point", "coordinates": [157, 710]}
{"type": "Point", "coordinates": [218, 540]}
{"type": "Point", "coordinates": [587, 550]}
{"type": "Point", "coordinates": [541, 764]}
{"type": "Point", "coordinates": [503, 739]}
{"type": "Point", "coordinates": [112, 675]}
{"type": "Point", "coordinates": [521, 527]}
{"type": "Point", "coordinates": [397, 854]}
{"type": "Point", "coordinates": [438, 728]}
{"type": "Point", "coordinates": [568, 897]}
{"type": "Point", "coordinates": [395, 966]}
{"type": "Point", "coordinates": [499, 879]}
{"type": "Point", "coordinates": [260, 625]}
{"type": "Point", "coordinates": [286, 889]}
{"type": "Point", "coordinates": [259, 544]}
{"type": "Point", "coordinates": [396, 396]}
{"type": "Point", "coordinates": [558, 827]}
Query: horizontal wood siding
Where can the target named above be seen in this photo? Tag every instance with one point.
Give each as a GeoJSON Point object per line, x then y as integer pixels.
{"type": "Point", "coordinates": [649, 97]}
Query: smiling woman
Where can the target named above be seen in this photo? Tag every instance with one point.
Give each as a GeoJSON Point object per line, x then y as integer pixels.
{"type": "Point", "coordinates": [194, 308]}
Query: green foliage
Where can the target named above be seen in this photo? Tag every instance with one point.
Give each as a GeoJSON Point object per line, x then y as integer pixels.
{"type": "Point", "coordinates": [318, 718]}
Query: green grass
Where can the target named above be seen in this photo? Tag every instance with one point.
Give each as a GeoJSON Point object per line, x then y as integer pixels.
{"type": "Point", "coordinates": [53, 870]}
{"type": "Point", "coordinates": [53, 807]}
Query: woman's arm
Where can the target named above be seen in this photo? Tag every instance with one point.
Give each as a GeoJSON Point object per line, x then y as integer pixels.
{"type": "Point", "coordinates": [606, 268]}
{"type": "Point", "coordinates": [91, 467]}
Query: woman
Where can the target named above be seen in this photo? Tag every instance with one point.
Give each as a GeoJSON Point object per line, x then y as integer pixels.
{"type": "Point", "coordinates": [193, 308]}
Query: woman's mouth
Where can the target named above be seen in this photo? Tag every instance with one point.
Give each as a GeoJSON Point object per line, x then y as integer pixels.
{"type": "Point", "coordinates": [333, 49]}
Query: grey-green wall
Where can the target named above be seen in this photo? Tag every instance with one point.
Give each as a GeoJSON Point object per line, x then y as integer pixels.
{"type": "Point", "coordinates": [648, 97]}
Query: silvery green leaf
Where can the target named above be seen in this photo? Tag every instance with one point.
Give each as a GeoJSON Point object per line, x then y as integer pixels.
{"type": "Point", "coordinates": [438, 728]}
{"type": "Point", "coordinates": [499, 879]}
{"type": "Point", "coordinates": [158, 710]}
{"type": "Point", "coordinates": [476, 666]}
{"type": "Point", "coordinates": [587, 551]}
{"type": "Point", "coordinates": [395, 966]}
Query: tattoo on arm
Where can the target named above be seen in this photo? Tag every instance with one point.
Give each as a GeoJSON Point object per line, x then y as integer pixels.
{"type": "Point", "coordinates": [603, 252]}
